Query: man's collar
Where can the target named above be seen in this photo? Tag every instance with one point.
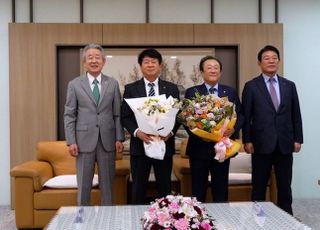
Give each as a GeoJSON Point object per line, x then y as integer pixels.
{"type": "Point", "coordinates": [91, 78]}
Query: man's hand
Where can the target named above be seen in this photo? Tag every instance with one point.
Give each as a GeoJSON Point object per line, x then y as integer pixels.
{"type": "Point", "coordinates": [119, 147]}
{"type": "Point", "coordinates": [73, 150]}
{"type": "Point", "coordinates": [144, 137]}
{"type": "Point", "coordinates": [297, 147]}
{"type": "Point", "coordinates": [166, 137]}
{"type": "Point", "coordinates": [228, 132]}
{"type": "Point", "coordinates": [248, 147]}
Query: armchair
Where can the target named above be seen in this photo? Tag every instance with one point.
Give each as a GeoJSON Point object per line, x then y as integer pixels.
{"type": "Point", "coordinates": [35, 204]}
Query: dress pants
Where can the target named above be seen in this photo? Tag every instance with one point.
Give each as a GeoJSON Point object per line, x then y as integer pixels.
{"type": "Point", "coordinates": [219, 172]}
{"type": "Point", "coordinates": [140, 170]}
{"type": "Point", "coordinates": [85, 163]}
{"type": "Point", "coordinates": [261, 169]}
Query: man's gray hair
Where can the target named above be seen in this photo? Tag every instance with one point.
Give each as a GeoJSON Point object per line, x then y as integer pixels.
{"type": "Point", "coordinates": [92, 46]}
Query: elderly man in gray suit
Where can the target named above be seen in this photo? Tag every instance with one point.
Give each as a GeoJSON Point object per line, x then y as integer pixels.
{"type": "Point", "coordinates": [92, 125]}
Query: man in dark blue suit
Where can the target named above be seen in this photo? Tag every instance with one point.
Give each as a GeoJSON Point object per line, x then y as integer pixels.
{"type": "Point", "coordinates": [150, 85]}
{"type": "Point", "coordinates": [201, 153]}
{"type": "Point", "coordinates": [273, 127]}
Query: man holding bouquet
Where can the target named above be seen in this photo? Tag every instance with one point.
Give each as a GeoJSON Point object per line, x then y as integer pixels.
{"type": "Point", "coordinates": [202, 152]}
{"type": "Point", "coordinates": [273, 127]}
{"type": "Point", "coordinates": [150, 85]}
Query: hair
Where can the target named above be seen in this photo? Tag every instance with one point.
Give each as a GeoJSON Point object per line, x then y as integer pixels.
{"type": "Point", "coordinates": [206, 58]}
{"type": "Point", "coordinates": [268, 48]}
{"type": "Point", "coordinates": [92, 46]}
{"type": "Point", "coordinates": [152, 53]}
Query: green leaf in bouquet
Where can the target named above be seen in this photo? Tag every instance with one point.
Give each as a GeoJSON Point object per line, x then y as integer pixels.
{"type": "Point", "coordinates": [229, 111]}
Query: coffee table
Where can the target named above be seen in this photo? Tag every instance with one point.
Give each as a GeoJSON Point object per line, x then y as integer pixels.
{"type": "Point", "coordinates": [235, 215]}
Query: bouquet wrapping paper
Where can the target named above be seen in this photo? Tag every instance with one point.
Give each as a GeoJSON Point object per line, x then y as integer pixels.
{"type": "Point", "coordinates": [208, 117]}
{"type": "Point", "coordinates": [155, 116]}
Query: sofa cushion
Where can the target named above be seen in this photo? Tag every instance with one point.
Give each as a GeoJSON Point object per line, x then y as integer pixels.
{"type": "Point", "coordinates": [67, 181]}
{"type": "Point", "coordinates": [57, 154]}
{"type": "Point", "coordinates": [240, 178]}
{"type": "Point", "coordinates": [241, 163]}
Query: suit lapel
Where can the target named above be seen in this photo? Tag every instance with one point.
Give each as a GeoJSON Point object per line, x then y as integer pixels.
{"type": "Point", "coordinates": [141, 88]}
{"type": "Point", "coordinates": [283, 90]}
{"type": "Point", "coordinates": [162, 87]}
{"type": "Point", "coordinates": [104, 86]}
{"type": "Point", "coordinates": [86, 87]}
{"type": "Point", "coordinates": [202, 89]}
{"type": "Point", "coordinates": [222, 92]}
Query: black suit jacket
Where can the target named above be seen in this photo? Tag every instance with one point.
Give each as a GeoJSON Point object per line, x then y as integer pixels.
{"type": "Point", "coordinates": [264, 126]}
{"type": "Point", "coordinates": [135, 90]}
{"type": "Point", "coordinates": [197, 147]}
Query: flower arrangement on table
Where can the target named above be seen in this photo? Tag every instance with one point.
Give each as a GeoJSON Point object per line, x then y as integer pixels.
{"type": "Point", "coordinates": [208, 116]}
{"type": "Point", "coordinates": [155, 116]}
{"type": "Point", "coordinates": [178, 213]}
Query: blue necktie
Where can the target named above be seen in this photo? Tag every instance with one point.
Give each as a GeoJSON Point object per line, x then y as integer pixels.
{"type": "Point", "coordinates": [95, 92]}
{"type": "Point", "coordinates": [212, 90]}
{"type": "Point", "coordinates": [151, 90]}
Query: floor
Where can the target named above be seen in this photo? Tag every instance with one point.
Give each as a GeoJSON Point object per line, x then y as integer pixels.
{"type": "Point", "coordinates": [306, 210]}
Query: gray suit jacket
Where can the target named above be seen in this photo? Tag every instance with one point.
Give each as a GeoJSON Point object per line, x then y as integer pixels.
{"type": "Point", "coordinates": [84, 120]}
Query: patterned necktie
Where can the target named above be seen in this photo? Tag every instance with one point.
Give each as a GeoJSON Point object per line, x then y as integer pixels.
{"type": "Point", "coordinates": [95, 92]}
{"type": "Point", "coordinates": [273, 93]}
{"type": "Point", "coordinates": [151, 90]}
{"type": "Point", "coordinates": [212, 90]}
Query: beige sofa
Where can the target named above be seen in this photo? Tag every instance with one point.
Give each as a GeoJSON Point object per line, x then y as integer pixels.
{"type": "Point", "coordinates": [35, 204]}
{"type": "Point", "coordinates": [239, 177]}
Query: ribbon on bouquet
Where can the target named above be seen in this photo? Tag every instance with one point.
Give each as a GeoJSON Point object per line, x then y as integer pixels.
{"type": "Point", "coordinates": [221, 148]}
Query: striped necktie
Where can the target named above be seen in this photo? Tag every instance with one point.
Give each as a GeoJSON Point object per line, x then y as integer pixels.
{"type": "Point", "coordinates": [212, 90]}
{"type": "Point", "coordinates": [151, 90]}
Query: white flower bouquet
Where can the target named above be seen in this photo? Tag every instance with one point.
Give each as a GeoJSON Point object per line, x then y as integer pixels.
{"type": "Point", "coordinates": [155, 116]}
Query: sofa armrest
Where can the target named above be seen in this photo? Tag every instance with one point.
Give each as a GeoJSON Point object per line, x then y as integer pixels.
{"type": "Point", "coordinates": [181, 165]}
{"type": "Point", "coordinates": [122, 167]}
{"type": "Point", "coordinates": [38, 171]}
{"type": "Point", "coordinates": [181, 170]}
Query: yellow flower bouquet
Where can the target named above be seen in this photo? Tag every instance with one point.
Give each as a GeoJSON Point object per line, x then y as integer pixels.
{"type": "Point", "coordinates": [209, 116]}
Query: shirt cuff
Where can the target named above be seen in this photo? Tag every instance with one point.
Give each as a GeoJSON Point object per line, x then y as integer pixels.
{"type": "Point", "coordinates": [135, 132]}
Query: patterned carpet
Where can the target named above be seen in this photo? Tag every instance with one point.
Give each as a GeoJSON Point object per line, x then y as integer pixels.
{"type": "Point", "coordinates": [305, 210]}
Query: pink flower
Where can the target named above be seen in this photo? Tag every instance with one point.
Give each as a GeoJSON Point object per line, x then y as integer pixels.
{"type": "Point", "coordinates": [176, 212]}
{"type": "Point", "coordinates": [174, 206]}
{"type": "Point", "coordinates": [206, 226]}
{"type": "Point", "coordinates": [163, 217]}
{"type": "Point", "coordinates": [181, 224]}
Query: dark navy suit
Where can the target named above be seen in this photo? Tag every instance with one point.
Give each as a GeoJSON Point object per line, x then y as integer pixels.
{"type": "Point", "coordinates": [272, 134]}
{"type": "Point", "coordinates": [139, 162]}
{"type": "Point", "coordinates": [201, 153]}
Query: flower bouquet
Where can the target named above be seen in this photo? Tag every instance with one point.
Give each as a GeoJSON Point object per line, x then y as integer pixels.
{"type": "Point", "coordinates": [177, 212]}
{"type": "Point", "coordinates": [208, 116]}
{"type": "Point", "coordinates": [155, 116]}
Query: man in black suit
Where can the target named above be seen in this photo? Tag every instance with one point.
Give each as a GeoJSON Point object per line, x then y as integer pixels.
{"type": "Point", "coordinates": [201, 153]}
{"type": "Point", "coordinates": [273, 127]}
{"type": "Point", "coordinates": [150, 64]}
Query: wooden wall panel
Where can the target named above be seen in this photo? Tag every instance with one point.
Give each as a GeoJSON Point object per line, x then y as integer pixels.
{"type": "Point", "coordinates": [148, 34]}
{"type": "Point", "coordinates": [33, 74]}
{"type": "Point", "coordinates": [250, 38]}
{"type": "Point", "coordinates": [33, 99]}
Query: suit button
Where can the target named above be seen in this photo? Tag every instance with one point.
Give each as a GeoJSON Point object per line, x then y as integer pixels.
{"type": "Point", "coordinates": [97, 126]}
{"type": "Point", "coordinates": [98, 113]}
